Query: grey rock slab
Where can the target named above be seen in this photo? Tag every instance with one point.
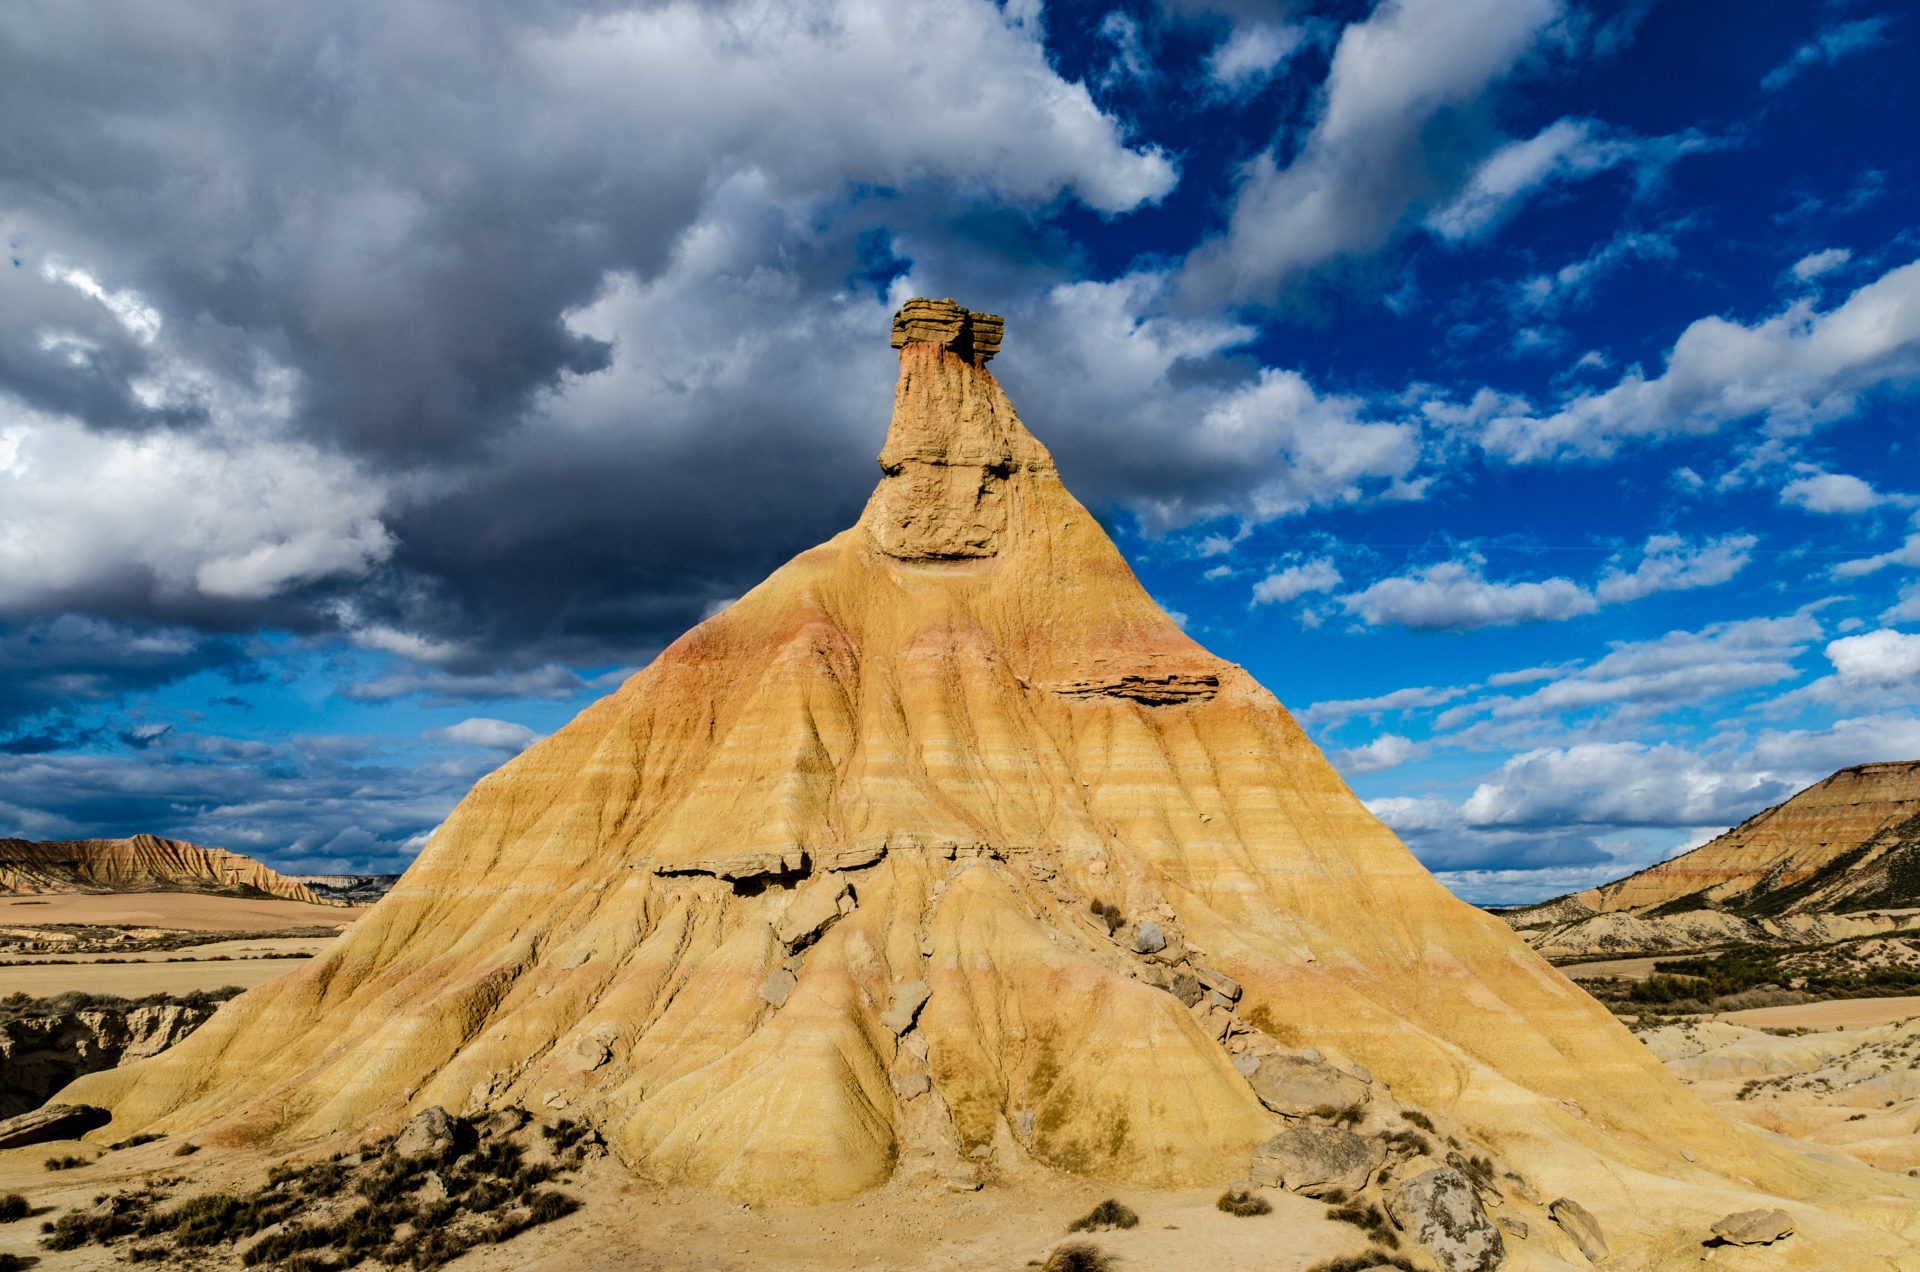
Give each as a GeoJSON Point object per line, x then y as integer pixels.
{"type": "Point", "coordinates": [1514, 1227]}
{"type": "Point", "coordinates": [1581, 1228]}
{"type": "Point", "coordinates": [908, 998]}
{"type": "Point", "coordinates": [1148, 938]}
{"type": "Point", "coordinates": [812, 912]}
{"type": "Point", "coordinates": [428, 1131]}
{"type": "Point", "coordinates": [1218, 983]}
{"type": "Point", "coordinates": [912, 1086]}
{"type": "Point", "coordinates": [1438, 1209]}
{"type": "Point", "coordinates": [54, 1122]}
{"type": "Point", "coordinates": [1754, 1227]}
{"type": "Point", "coordinates": [1294, 1086]}
{"type": "Point", "coordinates": [1313, 1160]}
{"type": "Point", "coordinates": [778, 987]}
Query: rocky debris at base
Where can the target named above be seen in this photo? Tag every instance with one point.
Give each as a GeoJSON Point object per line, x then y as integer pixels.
{"type": "Point", "coordinates": [1581, 1227]}
{"type": "Point", "coordinates": [779, 986]}
{"type": "Point", "coordinates": [1439, 1209]}
{"type": "Point", "coordinates": [54, 1122]}
{"type": "Point", "coordinates": [1754, 1227]}
{"type": "Point", "coordinates": [1148, 938]}
{"type": "Point", "coordinates": [908, 998]}
{"type": "Point", "coordinates": [429, 1131]}
{"type": "Point", "coordinates": [816, 909]}
{"type": "Point", "coordinates": [1313, 1160]}
{"type": "Point", "coordinates": [1294, 1086]}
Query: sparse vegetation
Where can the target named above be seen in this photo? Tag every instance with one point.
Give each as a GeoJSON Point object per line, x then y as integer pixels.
{"type": "Point", "coordinates": [19, 1006]}
{"type": "Point", "coordinates": [1370, 1219]}
{"type": "Point", "coordinates": [145, 1137]}
{"type": "Point", "coordinates": [186, 1150]}
{"type": "Point", "coordinates": [13, 1208]}
{"type": "Point", "coordinates": [1108, 913]}
{"type": "Point", "coordinates": [1077, 1256]}
{"type": "Point", "coordinates": [1362, 1262]}
{"type": "Point", "coordinates": [1106, 1216]}
{"type": "Point", "coordinates": [1245, 1204]}
{"type": "Point", "coordinates": [13, 1263]}
{"type": "Point", "coordinates": [418, 1212]}
{"type": "Point", "coordinates": [68, 1162]}
{"type": "Point", "coordinates": [1417, 1118]}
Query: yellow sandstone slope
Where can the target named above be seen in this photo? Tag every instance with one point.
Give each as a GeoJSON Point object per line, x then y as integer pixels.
{"type": "Point", "coordinates": [703, 914]}
{"type": "Point", "coordinates": [142, 863]}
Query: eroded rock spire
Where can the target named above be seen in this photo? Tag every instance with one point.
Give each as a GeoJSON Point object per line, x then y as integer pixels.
{"type": "Point", "coordinates": [973, 335]}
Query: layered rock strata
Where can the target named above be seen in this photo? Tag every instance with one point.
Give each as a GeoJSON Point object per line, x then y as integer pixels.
{"type": "Point", "coordinates": [811, 899]}
{"type": "Point", "coordinates": [143, 863]}
{"type": "Point", "coordinates": [1845, 845]}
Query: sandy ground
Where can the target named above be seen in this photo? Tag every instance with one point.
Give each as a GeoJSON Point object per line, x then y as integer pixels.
{"type": "Point", "coordinates": [259, 948]}
{"type": "Point", "coordinates": [1846, 1013]}
{"type": "Point", "coordinates": [183, 910]}
{"type": "Point", "coordinates": [136, 980]}
{"type": "Point", "coordinates": [907, 1226]}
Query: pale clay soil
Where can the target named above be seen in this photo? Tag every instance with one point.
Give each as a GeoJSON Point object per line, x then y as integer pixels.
{"type": "Point", "coordinates": [137, 980]}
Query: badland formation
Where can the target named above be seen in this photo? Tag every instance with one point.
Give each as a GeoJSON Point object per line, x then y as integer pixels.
{"type": "Point", "coordinates": [945, 855]}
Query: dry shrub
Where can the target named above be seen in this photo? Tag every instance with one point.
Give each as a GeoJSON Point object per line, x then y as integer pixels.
{"type": "Point", "coordinates": [1077, 1256]}
{"type": "Point", "coordinates": [1244, 1204]}
{"type": "Point", "coordinates": [1107, 1215]}
{"type": "Point", "coordinates": [1417, 1118]}
{"type": "Point", "coordinates": [14, 1207]}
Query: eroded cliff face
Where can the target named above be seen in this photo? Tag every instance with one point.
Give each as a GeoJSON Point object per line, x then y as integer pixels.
{"type": "Point", "coordinates": [39, 1054]}
{"type": "Point", "coordinates": [812, 892]}
{"type": "Point", "coordinates": [1844, 846]}
{"type": "Point", "coordinates": [143, 863]}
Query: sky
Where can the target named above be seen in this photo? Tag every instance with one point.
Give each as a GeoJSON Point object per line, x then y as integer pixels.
{"type": "Point", "coordinates": [1523, 390]}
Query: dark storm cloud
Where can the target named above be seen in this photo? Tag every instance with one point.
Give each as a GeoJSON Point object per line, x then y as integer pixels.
{"type": "Point", "coordinates": [51, 668]}
{"type": "Point", "coordinates": [319, 275]}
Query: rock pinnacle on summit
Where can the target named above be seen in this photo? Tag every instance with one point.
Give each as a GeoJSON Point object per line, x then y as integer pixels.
{"type": "Point", "coordinates": [944, 847]}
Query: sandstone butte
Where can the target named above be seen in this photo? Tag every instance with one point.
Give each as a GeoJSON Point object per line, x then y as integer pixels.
{"type": "Point", "coordinates": [143, 863]}
{"type": "Point", "coordinates": [875, 797]}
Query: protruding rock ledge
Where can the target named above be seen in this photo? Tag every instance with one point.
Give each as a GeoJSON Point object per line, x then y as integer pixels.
{"type": "Point", "coordinates": [969, 333]}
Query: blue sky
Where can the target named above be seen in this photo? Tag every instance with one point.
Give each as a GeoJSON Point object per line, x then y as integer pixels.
{"type": "Point", "coordinates": [1522, 389]}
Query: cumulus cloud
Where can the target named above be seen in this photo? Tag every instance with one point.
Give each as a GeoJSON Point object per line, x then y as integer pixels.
{"type": "Point", "coordinates": [488, 734]}
{"type": "Point", "coordinates": [1617, 784]}
{"type": "Point", "coordinates": [1388, 139]}
{"type": "Point", "coordinates": [354, 249]}
{"type": "Point", "coordinates": [1456, 595]}
{"type": "Point", "coordinates": [1907, 554]}
{"type": "Point", "coordinates": [1389, 750]}
{"type": "Point", "coordinates": [1317, 575]}
{"type": "Point", "coordinates": [1830, 45]}
{"type": "Point", "coordinates": [1836, 493]}
{"type": "Point", "coordinates": [1798, 369]}
{"type": "Point", "coordinates": [1669, 563]}
{"type": "Point", "coordinates": [1885, 659]}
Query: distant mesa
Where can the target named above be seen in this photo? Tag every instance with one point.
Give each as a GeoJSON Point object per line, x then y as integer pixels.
{"type": "Point", "coordinates": [1810, 869]}
{"type": "Point", "coordinates": [142, 863]}
{"type": "Point", "coordinates": [944, 854]}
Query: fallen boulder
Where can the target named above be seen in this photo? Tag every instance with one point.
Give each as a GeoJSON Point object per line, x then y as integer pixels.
{"type": "Point", "coordinates": [1438, 1209]}
{"type": "Point", "coordinates": [1294, 1086]}
{"type": "Point", "coordinates": [54, 1122]}
{"type": "Point", "coordinates": [1581, 1228]}
{"type": "Point", "coordinates": [812, 912]}
{"type": "Point", "coordinates": [1148, 938]}
{"type": "Point", "coordinates": [1754, 1227]}
{"type": "Point", "coordinates": [1314, 1160]}
{"type": "Point", "coordinates": [428, 1131]}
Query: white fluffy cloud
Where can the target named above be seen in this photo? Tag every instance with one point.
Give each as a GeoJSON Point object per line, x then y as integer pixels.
{"type": "Point", "coordinates": [1389, 750]}
{"type": "Point", "coordinates": [1317, 575]}
{"type": "Point", "coordinates": [1833, 492]}
{"type": "Point", "coordinates": [1883, 659]}
{"type": "Point", "coordinates": [1456, 595]}
{"type": "Point", "coordinates": [1252, 55]}
{"type": "Point", "coordinates": [1907, 554]}
{"type": "Point", "coordinates": [1797, 369]}
{"type": "Point", "coordinates": [488, 734]}
{"type": "Point", "coordinates": [1616, 784]}
{"type": "Point", "coordinates": [231, 514]}
{"type": "Point", "coordinates": [1366, 162]}
{"type": "Point", "coordinates": [1817, 263]}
